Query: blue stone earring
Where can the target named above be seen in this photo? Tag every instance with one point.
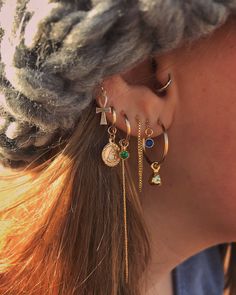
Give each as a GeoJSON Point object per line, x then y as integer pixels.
{"type": "Point", "coordinates": [148, 142]}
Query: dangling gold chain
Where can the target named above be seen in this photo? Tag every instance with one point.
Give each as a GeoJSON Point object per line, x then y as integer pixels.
{"type": "Point", "coordinates": [125, 222]}
{"type": "Point", "coordinates": [140, 155]}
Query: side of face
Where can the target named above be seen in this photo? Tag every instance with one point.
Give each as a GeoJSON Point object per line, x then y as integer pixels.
{"type": "Point", "coordinates": [204, 130]}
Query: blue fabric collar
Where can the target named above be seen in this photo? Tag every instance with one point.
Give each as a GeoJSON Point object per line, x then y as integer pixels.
{"type": "Point", "coordinates": [201, 274]}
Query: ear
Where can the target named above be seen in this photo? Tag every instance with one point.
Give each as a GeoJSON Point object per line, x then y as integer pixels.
{"type": "Point", "coordinates": [133, 93]}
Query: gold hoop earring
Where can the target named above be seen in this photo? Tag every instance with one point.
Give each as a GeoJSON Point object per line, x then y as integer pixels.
{"type": "Point", "coordinates": [165, 86]}
{"type": "Point", "coordinates": [124, 155]}
{"type": "Point", "coordinates": [155, 179]}
{"type": "Point", "coordinates": [110, 152]}
{"type": "Point", "coordinates": [124, 143]}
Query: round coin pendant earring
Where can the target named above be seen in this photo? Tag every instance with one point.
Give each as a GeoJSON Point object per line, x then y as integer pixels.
{"type": "Point", "coordinates": [110, 152]}
{"type": "Point", "coordinates": [155, 178]}
{"type": "Point", "coordinates": [140, 153]}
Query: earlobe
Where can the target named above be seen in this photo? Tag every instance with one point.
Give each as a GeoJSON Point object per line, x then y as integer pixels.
{"type": "Point", "coordinates": [139, 99]}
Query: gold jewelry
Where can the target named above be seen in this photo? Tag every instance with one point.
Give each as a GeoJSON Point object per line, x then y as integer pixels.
{"type": "Point", "coordinates": [156, 178]}
{"type": "Point", "coordinates": [154, 66]}
{"type": "Point", "coordinates": [140, 154]}
{"type": "Point", "coordinates": [104, 109]}
{"type": "Point", "coordinates": [124, 155]}
{"type": "Point", "coordinates": [166, 85]}
{"type": "Point", "coordinates": [110, 152]}
{"type": "Point", "coordinates": [148, 142]}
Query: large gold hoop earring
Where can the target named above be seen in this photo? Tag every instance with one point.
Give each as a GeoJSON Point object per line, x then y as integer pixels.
{"type": "Point", "coordinates": [155, 178]}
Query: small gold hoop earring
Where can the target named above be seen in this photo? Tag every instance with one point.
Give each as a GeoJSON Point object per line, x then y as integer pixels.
{"type": "Point", "coordinates": [166, 85]}
{"type": "Point", "coordinates": [155, 179]}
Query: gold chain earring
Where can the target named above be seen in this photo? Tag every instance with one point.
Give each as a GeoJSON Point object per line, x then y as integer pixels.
{"type": "Point", "coordinates": [140, 154]}
{"type": "Point", "coordinates": [155, 179]}
{"type": "Point", "coordinates": [124, 155]}
{"type": "Point", "coordinates": [110, 152]}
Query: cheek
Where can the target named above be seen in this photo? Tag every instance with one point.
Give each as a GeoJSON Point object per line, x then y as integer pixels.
{"type": "Point", "coordinates": [209, 157]}
{"type": "Point", "coordinates": [208, 123]}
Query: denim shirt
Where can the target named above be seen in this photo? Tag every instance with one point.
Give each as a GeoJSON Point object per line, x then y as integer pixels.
{"type": "Point", "coordinates": [201, 274]}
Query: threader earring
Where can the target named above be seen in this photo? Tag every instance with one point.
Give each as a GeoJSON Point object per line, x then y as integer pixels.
{"type": "Point", "coordinates": [155, 178]}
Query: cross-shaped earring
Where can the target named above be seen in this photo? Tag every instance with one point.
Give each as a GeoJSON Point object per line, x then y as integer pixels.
{"type": "Point", "coordinates": [104, 109]}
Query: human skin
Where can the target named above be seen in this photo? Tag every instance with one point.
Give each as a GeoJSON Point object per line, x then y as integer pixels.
{"type": "Point", "coordinates": [196, 204]}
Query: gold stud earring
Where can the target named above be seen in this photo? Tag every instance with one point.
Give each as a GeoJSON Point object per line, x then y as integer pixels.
{"type": "Point", "coordinates": [155, 178]}
{"type": "Point", "coordinates": [110, 152]}
{"type": "Point", "coordinates": [124, 155]}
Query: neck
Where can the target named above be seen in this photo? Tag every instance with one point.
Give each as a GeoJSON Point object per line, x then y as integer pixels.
{"type": "Point", "coordinates": [178, 226]}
